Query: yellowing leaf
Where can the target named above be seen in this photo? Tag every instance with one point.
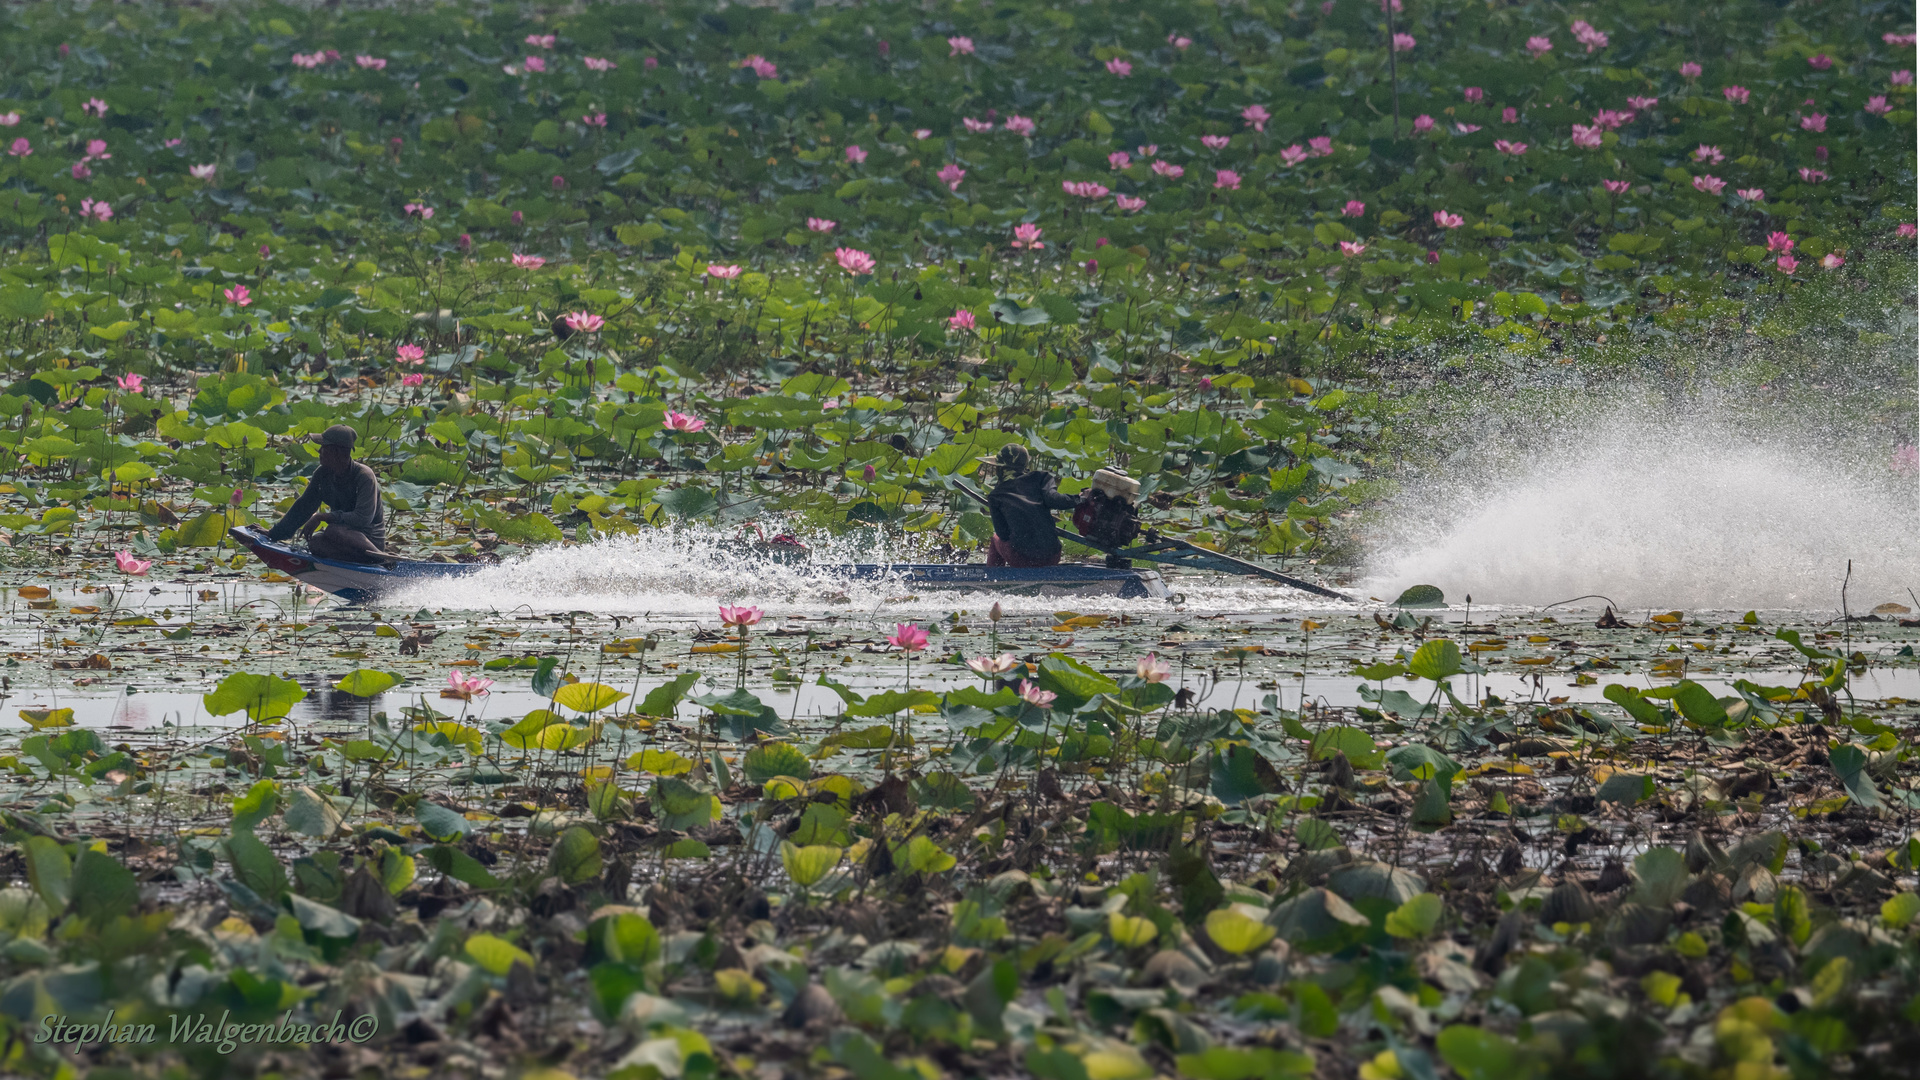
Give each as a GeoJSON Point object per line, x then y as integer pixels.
{"type": "Point", "coordinates": [718, 647]}
{"type": "Point", "coordinates": [496, 955]}
{"type": "Point", "coordinates": [587, 697]}
{"type": "Point", "coordinates": [660, 763]}
{"type": "Point", "coordinates": [1131, 931]}
{"type": "Point", "coordinates": [1236, 932]}
{"type": "Point", "coordinates": [807, 865]}
{"type": "Point", "coordinates": [39, 719]}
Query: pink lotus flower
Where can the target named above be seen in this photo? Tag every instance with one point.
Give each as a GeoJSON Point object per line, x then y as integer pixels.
{"type": "Point", "coordinates": [1019, 125]}
{"type": "Point", "coordinates": [1814, 122]}
{"type": "Point", "coordinates": [961, 319]}
{"type": "Point", "coordinates": [410, 354]}
{"type": "Point", "coordinates": [1900, 41]}
{"type": "Point", "coordinates": [1320, 146]}
{"type": "Point", "coordinates": [130, 565]}
{"type": "Point", "coordinates": [1539, 46]}
{"type": "Point", "coordinates": [1033, 695]}
{"type": "Point", "coordinates": [1448, 221]}
{"type": "Point", "coordinates": [1819, 61]}
{"type": "Point", "coordinates": [9, 119]}
{"type": "Point", "coordinates": [1787, 264]}
{"type": "Point", "coordinates": [1085, 189]}
{"type": "Point", "coordinates": [1150, 668]}
{"type": "Point", "coordinates": [97, 149]}
{"type": "Point", "coordinates": [81, 172]}
{"type": "Point", "coordinates": [821, 225]}
{"type": "Point", "coordinates": [853, 261]}
{"type": "Point", "coordinates": [1712, 185]}
{"type": "Point", "coordinates": [595, 63]}
{"type": "Point", "coordinates": [1751, 194]}
{"type": "Point", "coordinates": [1711, 155]}
{"type": "Point", "coordinates": [1643, 103]}
{"type": "Point", "coordinates": [1903, 77]}
{"type": "Point", "coordinates": [414, 379]}
{"type": "Point", "coordinates": [99, 211]}
{"type": "Point", "coordinates": [1509, 115]}
{"type": "Point", "coordinates": [1585, 34]}
{"type": "Point", "coordinates": [535, 64]}
{"type": "Point", "coordinates": [20, 148]}
{"type": "Point", "coordinates": [1737, 95]}
{"type": "Point", "coordinates": [1616, 187]}
{"type": "Point", "coordinates": [94, 107]}
{"type": "Point", "coordinates": [1432, 257]}
{"type": "Point", "coordinates": [559, 182]}
{"type": "Point", "coordinates": [1513, 148]}
{"type": "Point", "coordinates": [1147, 150]}
{"type": "Point", "coordinates": [1129, 204]}
{"type": "Point", "coordinates": [1215, 142]}
{"type": "Point", "coordinates": [238, 295]}
{"type": "Point", "coordinates": [1612, 119]}
{"type": "Point", "coordinates": [1474, 95]}
{"type": "Point", "coordinates": [725, 273]}
{"type": "Point", "coordinates": [1587, 138]}
{"type": "Point", "coordinates": [202, 172]}
{"type": "Point", "coordinates": [307, 60]}
{"type": "Point", "coordinates": [1877, 105]}
{"type": "Point", "coordinates": [987, 667]}
{"type": "Point", "coordinates": [959, 46]}
{"type": "Point", "coordinates": [977, 127]}
{"type": "Point", "coordinates": [598, 120]}
{"type": "Point", "coordinates": [1170, 170]}
{"type": "Point", "coordinates": [761, 66]}
{"type": "Point", "coordinates": [131, 382]}
{"type": "Point", "coordinates": [1833, 260]}
{"type": "Point", "coordinates": [1689, 70]}
{"type": "Point", "coordinates": [1906, 230]}
{"type": "Point", "coordinates": [1779, 243]}
{"type": "Point", "coordinates": [1256, 115]}
{"type": "Point", "coordinates": [1465, 129]}
{"type": "Point", "coordinates": [1422, 124]}
{"type": "Point", "coordinates": [1293, 155]}
{"type": "Point", "coordinates": [371, 63]}
{"type": "Point", "coordinates": [541, 41]}
{"type": "Point", "coordinates": [528, 262]}
{"type": "Point", "coordinates": [465, 687]}
{"type": "Point", "coordinates": [1403, 42]}
{"type": "Point", "coordinates": [741, 615]}
{"type": "Point", "coordinates": [425, 211]}
{"type": "Point", "coordinates": [1119, 67]}
{"type": "Point", "coordinates": [1226, 179]}
{"type": "Point", "coordinates": [683, 422]}
{"type": "Point", "coordinates": [1350, 248]}
{"type": "Point", "coordinates": [1027, 235]}
{"type": "Point", "coordinates": [1118, 159]}
{"type": "Point", "coordinates": [583, 322]}
{"type": "Point", "coordinates": [908, 636]}
{"type": "Point", "coordinates": [1178, 42]}
{"type": "Point", "coordinates": [1812, 176]}
{"type": "Point", "coordinates": [951, 175]}
{"type": "Point", "coordinates": [855, 155]}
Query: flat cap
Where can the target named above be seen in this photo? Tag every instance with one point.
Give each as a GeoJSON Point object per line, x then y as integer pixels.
{"type": "Point", "coordinates": [337, 435]}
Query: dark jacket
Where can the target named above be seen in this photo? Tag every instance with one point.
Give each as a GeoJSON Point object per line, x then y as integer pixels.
{"type": "Point", "coordinates": [1022, 510]}
{"type": "Point", "coordinates": [354, 498]}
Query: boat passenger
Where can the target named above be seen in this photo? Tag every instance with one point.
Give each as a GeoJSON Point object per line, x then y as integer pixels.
{"type": "Point", "coordinates": [1022, 506]}
{"type": "Point", "coordinates": [356, 523]}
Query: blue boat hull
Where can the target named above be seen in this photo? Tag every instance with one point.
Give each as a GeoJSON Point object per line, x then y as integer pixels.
{"type": "Point", "coordinates": [353, 582]}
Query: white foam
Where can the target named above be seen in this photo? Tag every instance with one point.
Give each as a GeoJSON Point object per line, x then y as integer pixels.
{"type": "Point", "coordinates": [687, 571]}
{"type": "Point", "coordinates": [1657, 512]}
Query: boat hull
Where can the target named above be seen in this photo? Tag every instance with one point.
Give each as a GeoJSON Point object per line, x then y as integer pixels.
{"type": "Point", "coordinates": [357, 582]}
{"type": "Point", "coordinates": [353, 582]}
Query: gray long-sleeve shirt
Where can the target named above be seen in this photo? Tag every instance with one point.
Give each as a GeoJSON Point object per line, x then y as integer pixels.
{"type": "Point", "coordinates": [354, 499]}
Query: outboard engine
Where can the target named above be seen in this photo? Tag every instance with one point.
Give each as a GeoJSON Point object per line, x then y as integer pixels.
{"type": "Point", "coordinates": [1106, 514]}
